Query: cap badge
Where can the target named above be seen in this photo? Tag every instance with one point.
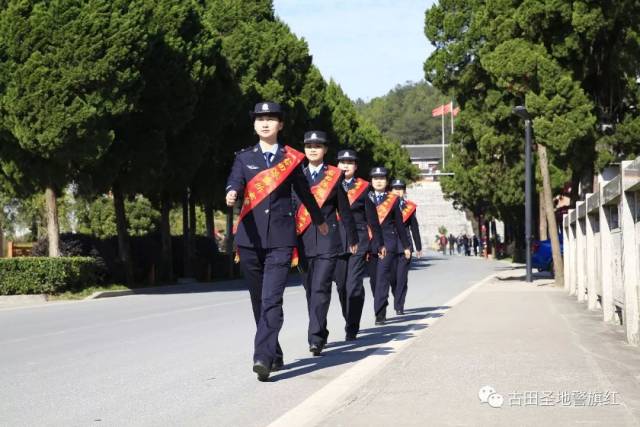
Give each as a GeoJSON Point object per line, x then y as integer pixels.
{"type": "Point", "coordinates": [265, 107]}
{"type": "Point", "coordinates": [314, 136]}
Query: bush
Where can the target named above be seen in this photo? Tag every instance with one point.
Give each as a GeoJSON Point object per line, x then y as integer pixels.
{"type": "Point", "coordinates": [208, 263]}
{"type": "Point", "coordinates": [39, 275]}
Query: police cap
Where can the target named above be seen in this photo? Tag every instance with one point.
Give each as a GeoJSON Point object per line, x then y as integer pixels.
{"type": "Point", "coordinates": [398, 183]}
{"type": "Point", "coordinates": [379, 172]}
{"type": "Point", "coordinates": [347, 155]}
{"type": "Point", "coordinates": [267, 108]}
{"type": "Point", "coordinates": [315, 137]}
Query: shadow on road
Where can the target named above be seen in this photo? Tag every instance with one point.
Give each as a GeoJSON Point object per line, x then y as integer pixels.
{"type": "Point", "coordinates": [369, 340]}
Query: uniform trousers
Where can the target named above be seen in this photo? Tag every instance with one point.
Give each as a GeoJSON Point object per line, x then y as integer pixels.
{"type": "Point", "coordinates": [349, 274]}
{"type": "Point", "coordinates": [266, 272]}
{"type": "Point", "coordinates": [399, 279]}
{"type": "Point", "coordinates": [380, 279]}
{"type": "Point", "coordinates": [318, 272]}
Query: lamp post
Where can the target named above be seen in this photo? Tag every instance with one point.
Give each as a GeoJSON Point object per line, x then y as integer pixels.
{"type": "Point", "coordinates": [522, 112]}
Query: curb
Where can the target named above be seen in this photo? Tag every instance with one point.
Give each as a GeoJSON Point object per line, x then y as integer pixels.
{"type": "Point", "coordinates": [16, 300]}
{"type": "Point", "coordinates": [312, 410]}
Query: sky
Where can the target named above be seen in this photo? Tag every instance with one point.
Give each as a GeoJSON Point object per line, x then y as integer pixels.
{"type": "Point", "coordinates": [367, 46]}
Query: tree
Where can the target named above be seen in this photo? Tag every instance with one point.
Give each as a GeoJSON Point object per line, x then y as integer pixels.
{"type": "Point", "coordinates": [69, 68]}
{"type": "Point", "coordinates": [404, 114]}
{"type": "Point", "coordinates": [573, 65]}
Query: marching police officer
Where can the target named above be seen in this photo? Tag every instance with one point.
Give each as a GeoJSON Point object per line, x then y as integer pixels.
{"type": "Point", "coordinates": [265, 233]}
{"type": "Point", "coordinates": [319, 251]}
{"type": "Point", "coordinates": [350, 268]}
{"type": "Point", "coordinates": [400, 270]}
{"type": "Point", "coordinates": [395, 239]}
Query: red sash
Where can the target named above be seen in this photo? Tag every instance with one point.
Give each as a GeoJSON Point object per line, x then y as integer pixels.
{"type": "Point", "coordinates": [409, 209]}
{"type": "Point", "coordinates": [383, 210]}
{"type": "Point", "coordinates": [265, 182]}
{"type": "Point", "coordinates": [321, 193]}
{"type": "Point", "coordinates": [356, 191]}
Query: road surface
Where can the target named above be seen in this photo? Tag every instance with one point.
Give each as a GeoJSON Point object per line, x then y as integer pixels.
{"type": "Point", "coordinates": [184, 357]}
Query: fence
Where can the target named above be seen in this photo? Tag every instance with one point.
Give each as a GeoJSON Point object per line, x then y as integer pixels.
{"type": "Point", "coordinates": [602, 249]}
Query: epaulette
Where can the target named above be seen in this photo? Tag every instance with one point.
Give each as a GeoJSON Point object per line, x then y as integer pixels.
{"type": "Point", "coordinates": [243, 150]}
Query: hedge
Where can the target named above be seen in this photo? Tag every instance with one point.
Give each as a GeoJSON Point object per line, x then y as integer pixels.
{"type": "Point", "coordinates": [145, 253]}
{"type": "Point", "coordinates": [35, 275]}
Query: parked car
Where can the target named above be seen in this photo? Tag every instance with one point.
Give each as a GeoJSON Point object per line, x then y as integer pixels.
{"type": "Point", "coordinates": [541, 257]}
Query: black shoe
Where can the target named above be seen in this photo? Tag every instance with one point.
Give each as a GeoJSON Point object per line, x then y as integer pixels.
{"type": "Point", "coordinates": [316, 349]}
{"type": "Point", "coordinates": [350, 337]}
{"type": "Point", "coordinates": [399, 312]}
{"type": "Point", "coordinates": [261, 368]}
{"type": "Point", "coordinates": [380, 320]}
{"type": "Point", "coordinates": [277, 364]}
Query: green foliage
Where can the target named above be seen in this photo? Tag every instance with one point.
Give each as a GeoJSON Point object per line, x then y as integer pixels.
{"type": "Point", "coordinates": [68, 68]}
{"type": "Point", "coordinates": [47, 275]}
{"type": "Point", "coordinates": [563, 61]}
{"type": "Point", "coordinates": [404, 114]}
{"type": "Point", "coordinates": [98, 217]}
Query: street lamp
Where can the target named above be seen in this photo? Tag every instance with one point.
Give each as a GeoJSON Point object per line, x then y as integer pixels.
{"type": "Point", "coordinates": [522, 112]}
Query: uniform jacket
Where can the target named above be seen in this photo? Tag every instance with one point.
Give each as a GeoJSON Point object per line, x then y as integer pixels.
{"type": "Point", "coordinates": [412, 229]}
{"type": "Point", "coordinates": [365, 216]}
{"type": "Point", "coordinates": [311, 242]}
{"type": "Point", "coordinates": [393, 231]}
{"type": "Point", "coordinates": [271, 223]}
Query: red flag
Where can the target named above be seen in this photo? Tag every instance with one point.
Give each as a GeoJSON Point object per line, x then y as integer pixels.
{"type": "Point", "coordinates": [455, 111]}
{"type": "Point", "coordinates": [446, 108]}
{"type": "Point", "coordinates": [438, 111]}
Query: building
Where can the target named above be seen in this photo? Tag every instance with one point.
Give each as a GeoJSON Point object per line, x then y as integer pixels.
{"type": "Point", "coordinates": [428, 158]}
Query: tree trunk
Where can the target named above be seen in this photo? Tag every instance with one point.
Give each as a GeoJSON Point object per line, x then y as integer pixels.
{"type": "Point", "coordinates": [542, 224]}
{"type": "Point", "coordinates": [53, 229]}
{"type": "Point", "coordinates": [192, 231]}
{"type": "Point", "coordinates": [186, 247]}
{"type": "Point", "coordinates": [124, 247]}
{"type": "Point", "coordinates": [166, 269]}
{"type": "Point", "coordinates": [208, 215]}
{"type": "Point", "coordinates": [551, 217]}
{"type": "Point", "coordinates": [1, 239]}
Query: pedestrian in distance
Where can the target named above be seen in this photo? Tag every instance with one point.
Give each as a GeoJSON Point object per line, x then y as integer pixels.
{"type": "Point", "coordinates": [476, 244]}
{"type": "Point", "coordinates": [401, 265]}
{"type": "Point", "coordinates": [263, 177]}
{"type": "Point", "coordinates": [318, 252]}
{"type": "Point", "coordinates": [351, 268]}
{"type": "Point", "coordinates": [395, 239]}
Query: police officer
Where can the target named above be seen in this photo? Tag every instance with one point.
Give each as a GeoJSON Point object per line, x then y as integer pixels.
{"type": "Point", "coordinates": [265, 233]}
{"type": "Point", "coordinates": [400, 270]}
{"type": "Point", "coordinates": [395, 240]}
{"type": "Point", "coordinates": [350, 268]}
{"type": "Point", "coordinates": [319, 252]}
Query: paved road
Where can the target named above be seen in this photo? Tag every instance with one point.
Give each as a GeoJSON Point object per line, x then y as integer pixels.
{"type": "Point", "coordinates": [184, 357]}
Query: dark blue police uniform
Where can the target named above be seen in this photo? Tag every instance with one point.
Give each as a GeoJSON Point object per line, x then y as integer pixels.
{"type": "Point", "coordinates": [400, 270]}
{"type": "Point", "coordinates": [396, 241]}
{"type": "Point", "coordinates": [318, 252]}
{"type": "Point", "coordinates": [351, 268]}
{"type": "Point", "coordinates": [265, 239]}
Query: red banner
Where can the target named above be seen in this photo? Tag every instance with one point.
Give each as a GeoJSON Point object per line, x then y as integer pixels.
{"type": "Point", "coordinates": [408, 210]}
{"type": "Point", "coordinates": [265, 182]}
{"type": "Point", "coordinates": [321, 192]}
{"type": "Point", "coordinates": [356, 191]}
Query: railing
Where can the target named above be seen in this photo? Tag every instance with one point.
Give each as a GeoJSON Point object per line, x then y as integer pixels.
{"type": "Point", "coordinates": [602, 249]}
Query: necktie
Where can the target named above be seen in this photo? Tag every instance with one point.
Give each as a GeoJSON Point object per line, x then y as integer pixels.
{"type": "Point", "coordinates": [267, 158]}
{"type": "Point", "coordinates": [314, 175]}
{"type": "Point", "coordinates": [378, 199]}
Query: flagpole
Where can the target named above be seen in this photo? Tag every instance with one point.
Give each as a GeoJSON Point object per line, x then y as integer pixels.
{"type": "Point", "coordinates": [452, 116]}
{"type": "Point", "coordinates": [443, 160]}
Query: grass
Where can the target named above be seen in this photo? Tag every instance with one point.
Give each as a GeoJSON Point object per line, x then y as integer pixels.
{"type": "Point", "coordinates": [76, 295]}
